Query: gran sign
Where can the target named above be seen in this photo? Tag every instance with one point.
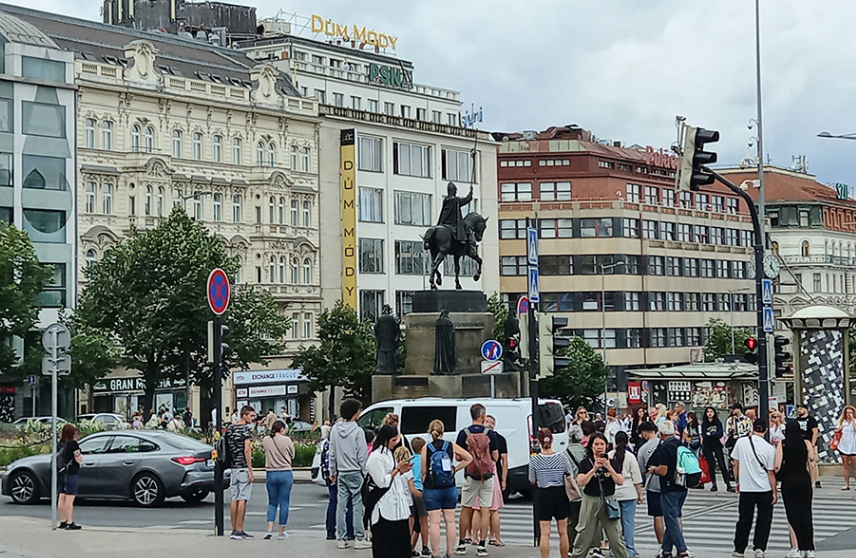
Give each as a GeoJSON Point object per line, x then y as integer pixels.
{"type": "Point", "coordinates": [390, 76]}
{"type": "Point", "coordinates": [136, 383]}
{"type": "Point", "coordinates": [353, 33]}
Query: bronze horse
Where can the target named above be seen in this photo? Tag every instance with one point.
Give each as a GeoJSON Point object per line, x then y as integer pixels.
{"type": "Point", "coordinates": [440, 241]}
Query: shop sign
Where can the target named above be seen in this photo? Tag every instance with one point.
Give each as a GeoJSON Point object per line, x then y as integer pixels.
{"type": "Point", "coordinates": [267, 391]}
{"type": "Point", "coordinates": [390, 76]}
{"type": "Point", "coordinates": [348, 173]}
{"type": "Point", "coordinates": [292, 390]}
{"type": "Point", "coordinates": [133, 383]}
{"type": "Point", "coordinates": [241, 392]}
{"type": "Point", "coordinates": [634, 393]}
{"type": "Point", "coordinates": [353, 33]}
{"type": "Point", "coordinates": [268, 376]}
{"type": "Point", "coordinates": [662, 159]}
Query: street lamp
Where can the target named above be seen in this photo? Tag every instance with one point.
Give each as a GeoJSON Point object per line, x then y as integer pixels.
{"type": "Point", "coordinates": [603, 268]}
{"type": "Point", "coordinates": [193, 195]}
{"type": "Point", "coordinates": [827, 135]}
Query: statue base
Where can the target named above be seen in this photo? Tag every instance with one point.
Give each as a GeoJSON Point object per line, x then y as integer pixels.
{"type": "Point", "coordinates": [385, 388]}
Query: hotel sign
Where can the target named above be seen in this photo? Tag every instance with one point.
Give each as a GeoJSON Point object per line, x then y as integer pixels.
{"type": "Point", "coordinates": [353, 33]}
{"type": "Point", "coordinates": [662, 159]}
{"type": "Point", "coordinates": [390, 76]}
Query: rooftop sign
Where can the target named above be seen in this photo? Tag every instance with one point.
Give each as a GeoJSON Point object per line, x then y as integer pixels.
{"type": "Point", "coordinates": [660, 158]}
{"type": "Point", "coordinates": [354, 33]}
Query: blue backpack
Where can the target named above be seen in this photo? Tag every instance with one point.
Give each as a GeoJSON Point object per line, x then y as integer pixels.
{"type": "Point", "coordinates": [440, 466]}
{"type": "Point", "coordinates": [688, 470]}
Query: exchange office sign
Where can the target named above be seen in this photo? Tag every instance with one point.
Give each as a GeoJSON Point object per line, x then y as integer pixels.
{"type": "Point", "coordinates": [267, 377]}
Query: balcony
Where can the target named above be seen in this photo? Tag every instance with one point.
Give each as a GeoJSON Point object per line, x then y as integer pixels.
{"type": "Point", "coordinates": [390, 120]}
{"type": "Point", "coordinates": [820, 259]}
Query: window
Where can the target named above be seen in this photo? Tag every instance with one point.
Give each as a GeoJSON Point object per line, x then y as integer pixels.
{"type": "Point", "coordinates": [307, 326]}
{"type": "Point", "coordinates": [631, 265]}
{"type": "Point", "coordinates": [135, 138]}
{"type": "Point", "coordinates": [694, 337]}
{"type": "Point", "coordinates": [436, 116]}
{"type": "Point", "coordinates": [707, 269]}
{"type": "Point", "coordinates": [403, 303]}
{"type": "Point", "coordinates": [338, 100]}
{"type": "Point", "coordinates": [40, 68]}
{"type": "Point", "coordinates": [405, 111]}
{"type": "Point", "coordinates": [45, 225]}
{"type": "Point", "coordinates": [816, 284]}
{"type": "Point", "coordinates": [634, 193]}
{"type": "Point", "coordinates": [389, 108]}
{"type": "Point", "coordinates": [514, 265]}
{"type": "Point", "coordinates": [306, 214]}
{"type": "Point", "coordinates": [805, 249]}
{"type": "Point", "coordinates": [43, 173]}
{"type": "Point", "coordinates": [722, 269]}
{"type": "Point", "coordinates": [321, 95]}
{"type": "Point", "coordinates": [649, 229]}
{"type": "Point", "coordinates": [371, 304]}
{"type": "Point", "coordinates": [293, 213]}
{"type": "Point", "coordinates": [272, 209]}
{"type": "Point", "coordinates": [197, 207]}
{"type": "Point", "coordinates": [90, 256]}
{"type": "Point", "coordinates": [148, 203]}
{"type": "Point", "coordinates": [553, 228]}
{"type": "Point", "coordinates": [708, 302]}
{"type": "Point", "coordinates": [555, 191]}
{"type": "Point", "coordinates": [218, 208]}
{"type": "Point", "coordinates": [90, 197]}
{"type": "Point", "coordinates": [657, 301]}
{"type": "Point", "coordinates": [372, 105]}
{"type": "Point", "coordinates": [54, 293]}
{"type": "Point", "coordinates": [197, 146]}
{"type": "Point", "coordinates": [304, 160]}
{"type": "Point", "coordinates": [356, 103]}
{"type": "Point", "coordinates": [452, 119]}
{"type": "Point", "coordinates": [652, 195]}
{"type": "Point", "coordinates": [307, 271]}
{"type": "Point", "coordinates": [656, 265]}
{"type": "Point", "coordinates": [41, 119]}
{"type": "Point", "coordinates": [177, 198]}
{"type": "Point", "coordinates": [295, 273]}
{"type": "Point", "coordinates": [717, 236]}
{"type": "Point", "coordinates": [176, 144]}
{"type": "Point", "coordinates": [107, 135]}
{"type": "Point", "coordinates": [588, 265]}
{"type": "Point", "coordinates": [631, 228]}
{"type": "Point", "coordinates": [685, 232]}
{"type": "Point", "coordinates": [371, 255]}
{"type": "Point", "coordinates": [160, 201]}
{"type": "Point", "coordinates": [237, 212]}
{"type": "Point", "coordinates": [89, 133]}
{"type": "Point", "coordinates": [700, 234]}
{"type": "Point", "coordinates": [658, 337]}
{"type": "Point", "coordinates": [281, 211]}
{"type": "Point", "coordinates": [690, 267]}
{"type": "Point", "coordinates": [632, 302]}
{"type": "Point", "coordinates": [409, 258]}
{"type": "Point", "coordinates": [271, 160]}
{"type": "Point", "coordinates": [691, 302]}
{"type": "Point", "coordinates": [295, 325]}
{"type": "Point", "coordinates": [676, 302]}
{"type": "Point", "coordinates": [746, 238]}
{"type": "Point", "coordinates": [667, 231]}
{"type": "Point", "coordinates": [371, 154]}
{"type": "Point", "coordinates": [281, 269]}
{"type": "Point", "coordinates": [293, 157]}
{"type": "Point", "coordinates": [732, 237]}
{"type": "Point", "coordinates": [412, 208]}
{"type": "Point", "coordinates": [556, 265]}
{"type": "Point", "coordinates": [738, 270]}
{"type": "Point", "coordinates": [731, 203]}
{"type": "Point", "coordinates": [371, 205]}
{"type": "Point", "coordinates": [107, 198]}
{"type": "Point", "coordinates": [260, 154]}
{"type": "Point", "coordinates": [701, 202]}
{"type": "Point", "coordinates": [218, 149]}
{"type": "Point", "coordinates": [668, 197]}
{"type": "Point", "coordinates": [458, 165]}
{"type": "Point", "coordinates": [513, 228]}
{"type": "Point", "coordinates": [411, 160]}
{"type": "Point", "coordinates": [677, 337]}
{"type": "Point", "coordinates": [686, 199]}
{"type": "Point", "coordinates": [590, 228]}
{"type": "Point", "coordinates": [272, 269]}
{"type": "Point", "coordinates": [740, 303]}
{"type": "Point", "coordinates": [718, 203]}
{"type": "Point", "coordinates": [516, 191]}
{"type": "Point", "coordinates": [673, 266]}
{"type": "Point", "coordinates": [236, 151]}
{"type": "Point", "coordinates": [723, 302]}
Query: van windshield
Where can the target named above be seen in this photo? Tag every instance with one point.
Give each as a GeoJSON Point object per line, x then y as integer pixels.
{"type": "Point", "coordinates": [552, 417]}
{"type": "Point", "coordinates": [374, 418]}
{"type": "Point", "coordinates": [415, 420]}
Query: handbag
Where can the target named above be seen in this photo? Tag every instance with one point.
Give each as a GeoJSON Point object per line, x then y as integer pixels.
{"type": "Point", "coordinates": [572, 489]}
{"type": "Point", "coordinates": [836, 439]}
{"type": "Point", "coordinates": [705, 470]}
{"type": "Point", "coordinates": [611, 504]}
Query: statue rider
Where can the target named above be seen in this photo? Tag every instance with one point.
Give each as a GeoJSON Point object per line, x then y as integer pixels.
{"type": "Point", "coordinates": [452, 217]}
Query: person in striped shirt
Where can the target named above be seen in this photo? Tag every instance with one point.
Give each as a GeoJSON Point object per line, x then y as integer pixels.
{"type": "Point", "coordinates": [547, 472]}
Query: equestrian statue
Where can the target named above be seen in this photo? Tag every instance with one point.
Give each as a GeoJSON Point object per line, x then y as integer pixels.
{"type": "Point", "coordinates": [456, 235]}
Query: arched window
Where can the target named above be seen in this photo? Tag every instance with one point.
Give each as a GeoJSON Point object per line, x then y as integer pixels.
{"type": "Point", "coordinates": [281, 211]}
{"type": "Point", "coordinates": [306, 220]}
{"type": "Point", "coordinates": [272, 207]}
{"type": "Point", "coordinates": [295, 272]}
{"type": "Point", "coordinates": [135, 138]}
{"type": "Point", "coordinates": [176, 198]}
{"type": "Point", "coordinates": [89, 127]}
{"type": "Point", "coordinates": [176, 144]}
{"type": "Point", "coordinates": [805, 248]}
{"type": "Point", "coordinates": [293, 213]}
{"type": "Point", "coordinates": [160, 201]}
{"type": "Point", "coordinates": [307, 271]}
{"type": "Point", "coordinates": [260, 153]}
{"type": "Point", "coordinates": [239, 273]}
{"type": "Point", "coordinates": [107, 198]}
{"type": "Point", "coordinates": [237, 211]}
{"type": "Point", "coordinates": [236, 151]}
{"type": "Point", "coordinates": [304, 165]}
{"type": "Point", "coordinates": [218, 207]}
{"type": "Point", "coordinates": [282, 270]}
{"type": "Point", "coordinates": [148, 205]}
{"type": "Point", "coordinates": [107, 135]}
{"type": "Point", "coordinates": [197, 207]}
{"type": "Point", "coordinates": [271, 154]}
{"type": "Point", "coordinates": [218, 149]}
{"type": "Point", "coordinates": [150, 139]}
{"type": "Point", "coordinates": [197, 146]}
{"type": "Point", "coordinates": [90, 256]}
{"type": "Point", "coordinates": [90, 197]}
{"type": "Point", "coordinates": [294, 157]}
{"type": "Point", "coordinates": [272, 269]}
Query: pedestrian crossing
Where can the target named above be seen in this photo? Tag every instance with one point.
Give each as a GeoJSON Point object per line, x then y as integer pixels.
{"type": "Point", "coordinates": [708, 520]}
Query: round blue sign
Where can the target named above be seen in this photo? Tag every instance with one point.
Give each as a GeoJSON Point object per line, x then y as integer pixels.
{"type": "Point", "coordinates": [219, 291]}
{"type": "Point", "coordinates": [522, 307]}
{"type": "Point", "coordinates": [491, 350]}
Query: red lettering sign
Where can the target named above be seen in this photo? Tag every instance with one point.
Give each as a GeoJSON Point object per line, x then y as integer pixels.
{"type": "Point", "coordinates": [660, 158]}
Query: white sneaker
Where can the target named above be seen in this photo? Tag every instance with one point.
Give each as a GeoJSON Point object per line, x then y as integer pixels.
{"type": "Point", "coordinates": [808, 554]}
{"type": "Point", "coordinates": [342, 544]}
{"type": "Point", "coordinates": [362, 545]}
{"type": "Point", "coordinates": [737, 554]}
{"type": "Point", "coordinates": [759, 553]}
{"type": "Point", "coordinates": [282, 536]}
{"type": "Point", "coordinates": [794, 553]}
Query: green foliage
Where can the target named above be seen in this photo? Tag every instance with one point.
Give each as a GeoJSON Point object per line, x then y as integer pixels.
{"type": "Point", "coordinates": [304, 452]}
{"type": "Point", "coordinates": [719, 341]}
{"type": "Point", "coordinates": [22, 278]}
{"type": "Point", "coordinates": [581, 383]}
{"type": "Point", "coordinates": [499, 309]}
{"type": "Point", "coordinates": [10, 454]}
{"type": "Point", "coordinates": [147, 297]}
{"type": "Point", "coordinates": [346, 356]}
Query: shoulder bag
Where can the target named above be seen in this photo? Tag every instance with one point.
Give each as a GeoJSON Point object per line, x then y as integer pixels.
{"type": "Point", "coordinates": [610, 503]}
{"type": "Point", "coordinates": [572, 489]}
{"type": "Point", "coordinates": [836, 440]}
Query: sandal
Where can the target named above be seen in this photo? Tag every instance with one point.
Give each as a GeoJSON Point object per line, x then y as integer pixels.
{"type": "Point", "coordinates": [845, 488]}
{"type": "Point", "coordinates": [496, 543]}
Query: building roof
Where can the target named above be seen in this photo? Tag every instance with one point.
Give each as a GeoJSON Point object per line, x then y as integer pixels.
{"type": "Point", "coordinates": [700, 371]}
{"type": "Point", "coordinates": [16, 30]}
{"type": "Point", "coordinates": [102, 43]}
{"type": "Point", "coordinates": [820, 312]}
{"type": "Point", "coordinates": [787, 186]}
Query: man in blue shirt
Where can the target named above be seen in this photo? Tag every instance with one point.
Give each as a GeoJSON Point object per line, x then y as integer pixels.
{"type": "Point", "coordinates": [664, 463]}
{"type": "Point", "coordinates": [681, 420]}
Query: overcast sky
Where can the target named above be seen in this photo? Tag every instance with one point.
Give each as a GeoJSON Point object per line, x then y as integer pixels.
{"type": "Point", "coordinates": [624, 68]}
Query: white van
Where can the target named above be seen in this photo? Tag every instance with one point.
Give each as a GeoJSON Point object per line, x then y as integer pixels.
{"type": "Point", "coordinates": [513, 421]}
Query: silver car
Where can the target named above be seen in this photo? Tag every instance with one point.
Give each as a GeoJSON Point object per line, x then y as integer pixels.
{"type": "Point", "coordinates": [144, 466]}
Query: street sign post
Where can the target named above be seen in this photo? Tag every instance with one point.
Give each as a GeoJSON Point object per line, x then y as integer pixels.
{"type": "Point", "coordinates": [491, 350]}
{"type": "Point", "coordinates": [767, 291]}
{"type": "Point", "coordinates": [769, 324]}
{"type": "Point", "coordinates": [55, 339]}
{"type": "Point", "coordinates": [522, 307]}
{"type": "Point", "coordinates": [492, 368]}
{"type": "Point", "coordinates": [532, 246]}
{"type": "Point", "coordinates": [534, 285]}
{"type": "Point", "coordinates": [218, 291]}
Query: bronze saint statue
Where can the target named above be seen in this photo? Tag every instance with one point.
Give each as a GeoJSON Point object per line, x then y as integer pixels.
{"type": "Point", "coordinates": [445, 349]}
{"type": "Point", "coordinates": [387, 334]}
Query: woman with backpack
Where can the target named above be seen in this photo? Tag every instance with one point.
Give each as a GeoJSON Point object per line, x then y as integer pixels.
{"type": "Point", "coordinates": [388, 497]}
{"type": "Point", "coordinates": [711, 448]}
{"type": "Point", "coordinates": [629, 493]}
{"type": "Point", "coordinates": [279, 454]}
{"type": "Point", "coordinates": [68, 469]}
{"type": "Point", "coordinates": [547, 472]}
{"type": "Point", "coordinates": [438, 482]}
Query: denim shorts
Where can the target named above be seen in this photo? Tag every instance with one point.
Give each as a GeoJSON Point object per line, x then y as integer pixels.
{"type": "Point", "coordinates": [440, 498]}
{"type": "Point", "coordinates": [67, 484]}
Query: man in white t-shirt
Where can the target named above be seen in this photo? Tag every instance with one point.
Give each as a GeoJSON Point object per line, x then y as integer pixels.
{"type": "Point", "coordinates": [754, 468]}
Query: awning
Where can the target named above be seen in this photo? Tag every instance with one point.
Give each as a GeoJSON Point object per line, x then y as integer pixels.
{"type": "Point", "coordinates": [703, 371]}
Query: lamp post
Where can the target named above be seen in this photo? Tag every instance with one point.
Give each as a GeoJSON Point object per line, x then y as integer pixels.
{"type": "Point", "coordinates": [827, 135]}
{"type": "Point", "coordinates": [603, 268]}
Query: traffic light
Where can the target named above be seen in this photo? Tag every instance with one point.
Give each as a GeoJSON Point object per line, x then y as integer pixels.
{"type": "Point", "coordinates": [224, 347]}
{"type": "Point", "coordinates": [512, 348]}
{"type": "Point", "coordinates": [548, 343]}
{"type": "Point", "coordinates": [751, 354]}
{"type": "Point", "coordinates": [217, 354]}
{"type": "Point", "coordinates": [781, 356]}
{"type": "Point", "coordinates": [692, 176]}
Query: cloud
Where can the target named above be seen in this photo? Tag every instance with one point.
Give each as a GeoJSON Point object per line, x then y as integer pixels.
{"type": "Point", "coordinates": [625, 68]}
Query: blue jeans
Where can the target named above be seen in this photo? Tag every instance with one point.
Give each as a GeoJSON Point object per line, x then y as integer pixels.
{"type": "Point", "coordinates": [350, 486]}
{"type": "Point", "coordinates": [278, 484]}
{"type": "Point", "coordinates": [333, 493]}
{"type": "Point", "coordinates": [628, 525]}
{"type": "Point", "coordinates": [672, 502]}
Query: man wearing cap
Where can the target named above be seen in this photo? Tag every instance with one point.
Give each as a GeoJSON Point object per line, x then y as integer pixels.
{"type": "Point", "coordinates": [809, 428]}
{"type": "Point", "coordinates": [664, 464]}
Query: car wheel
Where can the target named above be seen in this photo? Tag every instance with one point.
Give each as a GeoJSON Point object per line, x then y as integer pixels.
{"type": "Point", "coordinates": [25, 488]}
{"type": "Point", "coordinates": [195, 497]}
{"type": "Point", "coordinates": [147, 491]}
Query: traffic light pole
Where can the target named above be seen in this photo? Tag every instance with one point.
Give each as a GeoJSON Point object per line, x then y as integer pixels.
{"type": "Point", "coordinates": [763, 355]}
{"type": "Point", "coordinates": [533, 392]}
{"type": "Point", "coordinates": [218, 424]}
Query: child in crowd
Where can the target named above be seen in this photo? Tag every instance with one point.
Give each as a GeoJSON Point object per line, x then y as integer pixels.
{"type": "Point", "coordinates": [419, 523]}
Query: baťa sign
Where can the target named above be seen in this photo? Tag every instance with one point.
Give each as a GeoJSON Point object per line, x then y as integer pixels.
{"type": "Point", "coordinates": [390, 76]}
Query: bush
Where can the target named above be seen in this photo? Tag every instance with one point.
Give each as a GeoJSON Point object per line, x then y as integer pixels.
{"type": "Point", "coordinates": [303, 454]}
{"type": "Point", "coordinates": [10, 454]}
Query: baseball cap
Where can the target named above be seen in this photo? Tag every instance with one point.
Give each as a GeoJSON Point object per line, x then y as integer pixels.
{"type": "Point", "coordinates": [667, 428]}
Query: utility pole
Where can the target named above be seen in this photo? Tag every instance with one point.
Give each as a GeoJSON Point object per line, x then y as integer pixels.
{"type": "Point", "coordinates": [533, 359]}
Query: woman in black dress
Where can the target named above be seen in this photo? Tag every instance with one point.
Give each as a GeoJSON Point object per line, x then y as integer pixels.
{"type": "Point", "coordinates": [792, 470]}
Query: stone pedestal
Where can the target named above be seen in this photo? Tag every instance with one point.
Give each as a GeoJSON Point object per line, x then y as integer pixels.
{"type": "Point", "coordinates": [473, 326]}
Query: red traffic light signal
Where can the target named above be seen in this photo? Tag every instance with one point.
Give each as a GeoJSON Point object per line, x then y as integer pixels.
{"type": "Point", "coordinates": [751, 343]}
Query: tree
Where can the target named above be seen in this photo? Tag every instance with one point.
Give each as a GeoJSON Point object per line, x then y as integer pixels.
{"type": "Point", "coordinates": [346, 356]}
{"type": "Point", "coordinates": [147, 297]}
{"type": "Point", "coordinates": [22, 278]}
{"type": "Point", "coordinates": [581, 383]}
{"type": "Point", "coordinates": [719, 340]}
{"type": "Point", "coordinates": [499, 309]}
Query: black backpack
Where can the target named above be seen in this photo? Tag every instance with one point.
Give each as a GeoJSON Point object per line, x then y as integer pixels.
{"type": "Point", "coordinates": [224, 455]}
{"type": "Point", "coordinates": [62, 459]}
